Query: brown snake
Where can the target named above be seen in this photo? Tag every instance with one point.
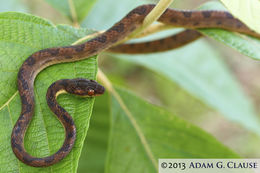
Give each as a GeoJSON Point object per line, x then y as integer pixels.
{"type": "Point", "coordinates": [83, 87]}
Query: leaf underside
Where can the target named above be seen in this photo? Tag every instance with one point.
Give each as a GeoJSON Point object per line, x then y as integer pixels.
{"type": "Point", "coordinates": [165, 136]}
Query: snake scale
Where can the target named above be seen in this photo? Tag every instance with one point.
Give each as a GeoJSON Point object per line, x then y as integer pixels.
{"type": "Point", "coordinates": [83, 87]}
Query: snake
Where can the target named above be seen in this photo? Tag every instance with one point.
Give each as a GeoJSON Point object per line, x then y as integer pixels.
{"type": "Point", "coordinates": [39, 60]}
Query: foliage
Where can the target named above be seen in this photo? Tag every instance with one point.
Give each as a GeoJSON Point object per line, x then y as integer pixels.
{"type": "Point", "coordinates": [125, 131]}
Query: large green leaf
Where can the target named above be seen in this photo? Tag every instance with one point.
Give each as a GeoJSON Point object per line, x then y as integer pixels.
{"type": "Point", "coordinates": [198, 69]}
{"type": "Point", "coordinates": [247, 11]}
{"type": "Point", "coordinates": [248, 46]}
{"type": "Point", "coordinates": [80, 7]}
{"type": "Point", "coordinates": [21, 35]}
{"type": "Point", "coordinates": [94, 151]}
{"type": "Point", "coordinates": [141, 133]}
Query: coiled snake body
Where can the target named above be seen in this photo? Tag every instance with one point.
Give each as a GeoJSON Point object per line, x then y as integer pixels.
{"type": "Point", "coordinates": [83, 87]}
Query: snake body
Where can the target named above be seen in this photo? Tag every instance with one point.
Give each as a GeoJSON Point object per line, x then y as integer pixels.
{"type": "Point", "coordinates": [190, 20]}
{"type": "Point", "coordinates": [172, 42]}
{"type": "Point", "coordinates": [80, 87]}
{"type": "Point", "coordinates": [44, 58]}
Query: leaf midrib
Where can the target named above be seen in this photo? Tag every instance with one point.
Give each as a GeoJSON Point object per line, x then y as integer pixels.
{"type": "Point", "coordinates": [137, 128]}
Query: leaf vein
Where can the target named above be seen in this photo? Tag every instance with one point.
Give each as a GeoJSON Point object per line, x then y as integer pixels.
{"type": "Point", "coordinates": [8, 101]}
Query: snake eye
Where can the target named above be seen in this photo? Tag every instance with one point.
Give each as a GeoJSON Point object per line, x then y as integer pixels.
{"type": "Point", "coordinates": [91, 92]}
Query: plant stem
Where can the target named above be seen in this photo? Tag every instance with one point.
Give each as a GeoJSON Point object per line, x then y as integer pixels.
{"type": "Point", "coordinates": [150, 18]}
{"type": "Point", "coordinates": [73, 13]}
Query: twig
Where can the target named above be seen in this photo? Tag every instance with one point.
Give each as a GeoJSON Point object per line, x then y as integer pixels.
{"type": "Point", "coordinates": [150, 18]}
{"type": "Point", "coordinates": [73, 13]}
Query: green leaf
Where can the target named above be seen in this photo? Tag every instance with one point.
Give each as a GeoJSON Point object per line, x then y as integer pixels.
{"type": "Point", "coordinates": [141, 133]}
{"type": "Point", "coordinates": [246, 45]}
{"type": "Point", "coordinates": [21, 35]}
{"type": "Point", "coordinates": [94, 151]}
{"type": "Point", "coordinates": [199, 69]}
{"type": "Point", "coordinates": [247, 11]}
{"type": "Point", "coordinates": [80, 7]}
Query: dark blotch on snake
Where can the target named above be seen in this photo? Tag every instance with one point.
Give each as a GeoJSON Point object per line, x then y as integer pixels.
{"type": "Point", "coordinates": [80, 48]}
{"type": "Point", "coordinates": [206, 14]}
{"type": "Point", "coordinates": [28, 108]}
{"type": "Point", "coordinates": [228, 15]}
{"type": "Point", "coordinates": [15, 145]}
{"type": "Point", "coordinates": [50, 102]}
{"type": "Point", "coordinates": [174, 38]}
{"type": "Point", "coordinates": [118, 28]}
{"type": "Point", "coordinates": [62, 109]}
{"type": "Point", "coordinates": [17, 130]}
{"type": "Point", "coordinates": [239, 25]}
{"type": "Point", "coordinates": [54, 51]}
{"type": "Point", "coordinates": [140, 10]}
{"type": "Point", "coordinates": [20, 73]}
{"type": "Point", "coordinates": [28, 159]}
{"type": "Point", "coordinates": [67, 119]}
{"type": "Point", "coordinates": [186, 14]}
{"type": "Point", "coordinates": [49, 159]}
{"type": "Point", "coordinates": [30, 61]}
{"type": "Point", "coordinates": [173, 20]}
{"type": "Point", "coordinates": [219, 22]}
{"type": "Point", "coordinates": [24, 99]}
{"type": "Point", "coordinates": [70, 135]}
{"type": "Point", "coordinates": [101, 39]}
{"type": "Point", "coordinates": [24, 84]}
{"type": "Point", "coordinates": [161, 41]}
{"type": "Point", "coordinates": [64, 83]}
{"type": "Point", "coordinates": [52, 92]}
{"type": "Point", "coordinates": [67, 147]}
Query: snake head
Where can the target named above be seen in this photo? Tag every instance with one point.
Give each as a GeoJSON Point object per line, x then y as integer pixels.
{"type": "Point", "coordinates": [84, 87]}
